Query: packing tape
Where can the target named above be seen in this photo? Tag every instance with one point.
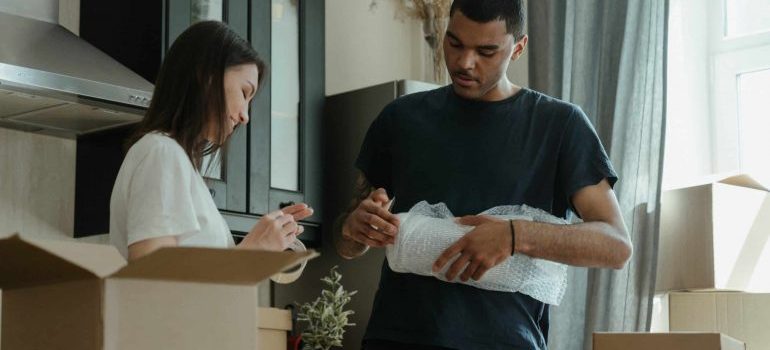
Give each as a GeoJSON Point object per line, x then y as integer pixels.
{"type": "Point", "coordinates": [292, 274]}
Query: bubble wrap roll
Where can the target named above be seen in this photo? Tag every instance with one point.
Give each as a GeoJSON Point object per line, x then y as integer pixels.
{"type": "Point", "coordinates": [427, 230]}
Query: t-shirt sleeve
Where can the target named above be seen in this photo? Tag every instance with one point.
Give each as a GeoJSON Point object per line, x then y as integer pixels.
{"type": "Point", "coordinates": [375, 159]}
{"type": "Point", "coordinates": [159, 200]}
{"type": "Point", "coordinates": [582, 158]}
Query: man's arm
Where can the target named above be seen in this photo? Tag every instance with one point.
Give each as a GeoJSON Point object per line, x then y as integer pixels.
{"type": "Point", "coordinates": [348, 248]}
{"type": "Point", "coordinates": [366, 223]}
{"type": "Point", "coordinates": [602, 240]}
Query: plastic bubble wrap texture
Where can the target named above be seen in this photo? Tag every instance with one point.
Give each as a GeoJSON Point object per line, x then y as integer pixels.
{"type": "Point", "coordinates": [429, 229]}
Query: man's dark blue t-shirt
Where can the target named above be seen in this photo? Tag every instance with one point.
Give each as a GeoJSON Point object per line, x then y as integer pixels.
{"type": "Point", "coordinates": [472, 155]}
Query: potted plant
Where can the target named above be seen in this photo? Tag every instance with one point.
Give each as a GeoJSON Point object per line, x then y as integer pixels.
{"type": "Point", "coordinates": [326, 317]}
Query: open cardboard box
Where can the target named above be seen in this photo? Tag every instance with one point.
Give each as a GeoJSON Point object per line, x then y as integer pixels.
{"type": "Point", "coordinates": [665, 341]}
{"type": "Point", "coordinates": [743, 316]}
{"type": "Point", "coordinates": [715, 236]}
{"type": "Point", "coordinates": [67, 295]}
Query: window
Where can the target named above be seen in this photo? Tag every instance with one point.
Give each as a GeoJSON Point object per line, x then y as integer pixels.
{"type": "Point", "coordinates": [745, 17]}
{"type": "Point", "coordinates": [753, 90]}
{"type": "Point", "coordinates": [718, 90]}
{"type": "Point", "coordinates": [285, 97]}
{"type": "Point", "coordinates": [203, 10]}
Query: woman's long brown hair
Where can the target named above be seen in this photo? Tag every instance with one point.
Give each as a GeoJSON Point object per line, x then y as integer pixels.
{"type": "Point", "coordinates": [189, 91]}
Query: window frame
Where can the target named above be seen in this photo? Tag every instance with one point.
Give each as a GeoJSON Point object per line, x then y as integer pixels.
{"type": "Point", "coordinates": [729, 57]}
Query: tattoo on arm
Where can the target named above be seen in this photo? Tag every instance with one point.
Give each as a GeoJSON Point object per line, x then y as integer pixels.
{"type": "Point", "coordinates": [363, 190]}
{"type": "Point", "coordinates": [347, 248]}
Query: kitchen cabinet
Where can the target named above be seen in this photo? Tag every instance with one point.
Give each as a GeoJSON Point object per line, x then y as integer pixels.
{"type": "Point", "coordinates": [266, 193]}
{"type": "Point", "coordinates": [229, 188]}
{"type": "Point", "coordinates": [275, 160]}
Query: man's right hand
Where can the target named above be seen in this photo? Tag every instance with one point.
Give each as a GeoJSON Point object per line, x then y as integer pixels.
{"type": "Point", "coordinates": [371, 223]}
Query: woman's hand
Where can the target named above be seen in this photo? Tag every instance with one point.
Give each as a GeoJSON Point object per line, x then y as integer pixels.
{"type": "Point", "coordinates": [298, 211]}
{"type": "Point", "coordinates": [276, 230]}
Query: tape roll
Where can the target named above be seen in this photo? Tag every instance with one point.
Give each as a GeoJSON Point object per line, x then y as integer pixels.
{"type": "Point", "coordinates": [293, 273]}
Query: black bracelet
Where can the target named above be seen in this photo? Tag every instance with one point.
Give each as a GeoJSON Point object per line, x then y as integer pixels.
{"type": "Point", "coordinates": [513, 237]}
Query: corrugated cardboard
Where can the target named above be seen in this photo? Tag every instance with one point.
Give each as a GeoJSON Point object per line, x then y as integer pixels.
{"type": "Point", "coordinates": [715, 236]}
{"type": "Point", "coordinates": [67, 295]}
{"type": "Point", "coordinates": [273, 325]}
{"type": "Point", "coordinates": [665, 341]}
{"type": "Point", "coordinates": [744, 316]}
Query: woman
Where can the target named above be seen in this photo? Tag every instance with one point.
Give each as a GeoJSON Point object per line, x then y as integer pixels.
{"type": "Point", "coordinates": [202, 94]}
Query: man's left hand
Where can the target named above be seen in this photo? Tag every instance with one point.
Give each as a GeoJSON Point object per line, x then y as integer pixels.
{"type": "Point", "coordinates": [487, 245]}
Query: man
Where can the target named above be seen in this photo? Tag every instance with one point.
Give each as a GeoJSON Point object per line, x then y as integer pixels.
{"type": "Point", "coordinates": [478, 143]}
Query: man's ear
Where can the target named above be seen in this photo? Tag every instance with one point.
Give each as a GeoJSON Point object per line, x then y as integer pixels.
{"type": "Point", "coordinates": [519, 47]}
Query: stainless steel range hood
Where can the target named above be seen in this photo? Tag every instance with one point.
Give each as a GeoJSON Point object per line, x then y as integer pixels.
{"type": "Point", "coordinates": [53, 82]}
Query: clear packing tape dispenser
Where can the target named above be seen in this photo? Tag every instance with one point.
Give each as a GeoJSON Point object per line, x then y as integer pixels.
{"type": "Point", "coordinates": [292, 274]}
{"type": "Point", "coordinates": [427, 230]}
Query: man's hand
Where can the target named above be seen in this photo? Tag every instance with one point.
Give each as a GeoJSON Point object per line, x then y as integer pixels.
{"type": "Point", "coordinates": [487, 245]}
{"type": "Point", "coordinates": [371, 223]}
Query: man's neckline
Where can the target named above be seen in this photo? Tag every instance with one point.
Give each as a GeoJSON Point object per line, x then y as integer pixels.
{"type": "Point", "coordinates": [483, 103]}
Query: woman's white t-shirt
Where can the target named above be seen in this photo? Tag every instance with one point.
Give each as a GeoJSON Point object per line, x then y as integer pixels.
{"type": "Point", "coordinates": [159, 193]}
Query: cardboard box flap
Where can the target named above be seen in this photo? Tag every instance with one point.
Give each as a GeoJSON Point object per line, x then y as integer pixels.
{"type": "Point", "coordinates": [744, 180]}
{"type": "Point", "coordinates": [275, 319]}
{"type": "Point", "coordinates": [212, 265]}
{"type": "Point", "coordinates": [24, 264]}
{"type": "Point", "coordinates": [666, 341]}
{"type": "Point", "coordinates": [101, 259]}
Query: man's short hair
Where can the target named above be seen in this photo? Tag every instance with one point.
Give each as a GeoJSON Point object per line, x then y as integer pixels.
{"type": "Point", "coordinates": [483, 11]}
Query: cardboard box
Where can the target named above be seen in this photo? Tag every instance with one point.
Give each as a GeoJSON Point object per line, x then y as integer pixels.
{"type": "Point", "coordinates": [67, 295]}
{"type": "Point", "coordinates": [665, 341]}
{"type": "Point", "coordinates": [715, 236]}
{"type": "Point", "coordinates": [271, 335]}
{"type": "Point", "coordinates": [273, 327]}
{"type": "Point", "coordinates": [744, 316]}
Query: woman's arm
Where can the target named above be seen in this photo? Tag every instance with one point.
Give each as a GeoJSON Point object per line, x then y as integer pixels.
{"type": "Point", "coordinates": [147, 246]}
{"type": "Point", "coordinates": [274, 231]}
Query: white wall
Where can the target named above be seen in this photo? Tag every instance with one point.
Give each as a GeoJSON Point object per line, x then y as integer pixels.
{"type": "Point", "coordinates": [44, 10]}
{"type": "Point", "coordinates": [367, 47]}
{"type": "Point", "coordinates": [37, 184]}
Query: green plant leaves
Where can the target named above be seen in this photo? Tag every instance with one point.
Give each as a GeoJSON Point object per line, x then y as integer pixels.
{"type": "Point", "coordinates": [325, 317]}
